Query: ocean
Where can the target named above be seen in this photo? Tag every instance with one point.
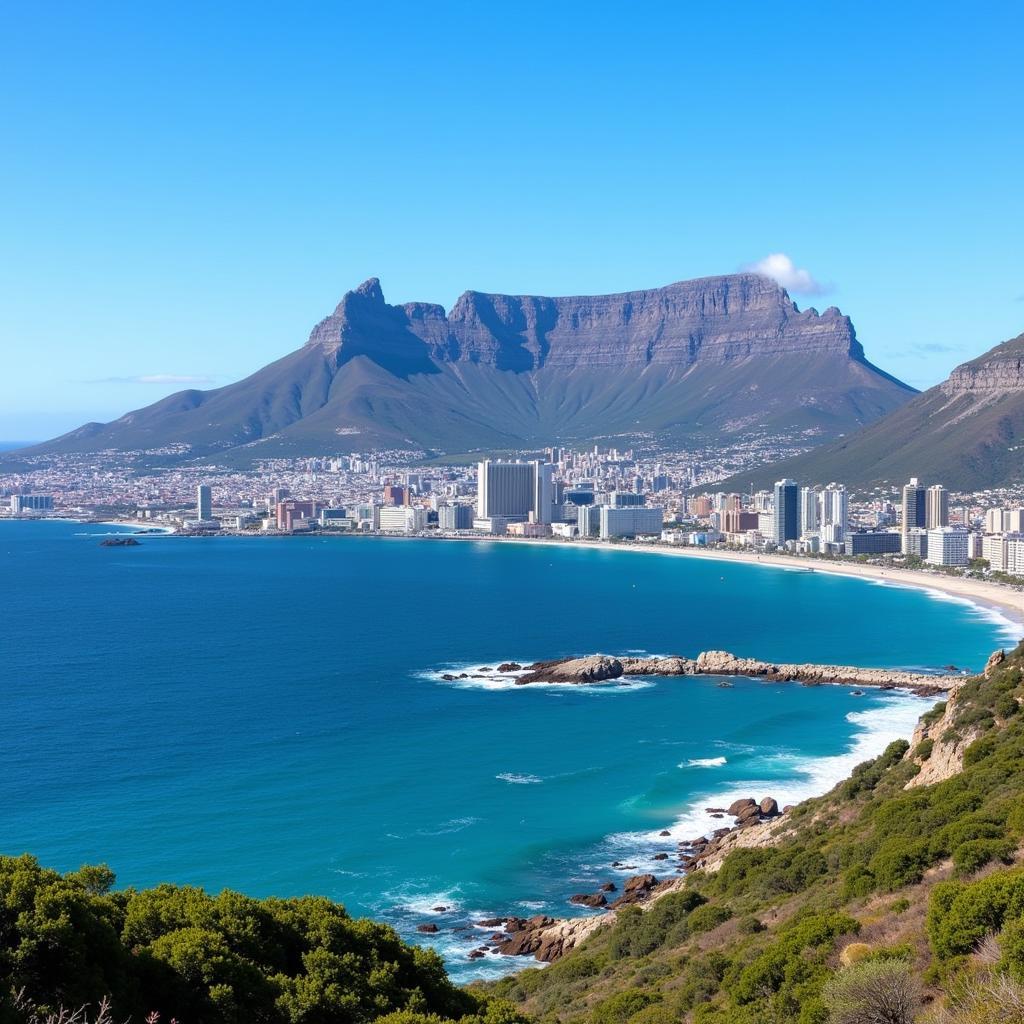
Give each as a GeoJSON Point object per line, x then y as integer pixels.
{"type": "Point", "coordinates": [268, 714]}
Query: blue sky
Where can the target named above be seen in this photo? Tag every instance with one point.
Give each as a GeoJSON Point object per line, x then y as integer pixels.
{"type": "Point", "coordinates": [187, 188]}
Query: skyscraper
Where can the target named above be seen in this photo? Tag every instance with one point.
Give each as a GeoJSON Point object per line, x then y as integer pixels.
{"type": "Point", "coordinates": [936, 507]}
{"type": "Point", "coordinates": [808, 511]}
{"type": "Point", "coordinates": [914, 514]}
{"type": "Point", "coordinates": [835, 506]}
{"type": "Point", "coordinates": [514, 490]}
{"type": "Point", "coordinates": [204, 502]}
{"type": "Point", "coordinates": [787, 512]}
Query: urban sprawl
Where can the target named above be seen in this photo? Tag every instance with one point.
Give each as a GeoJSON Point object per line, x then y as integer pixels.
{"type": "Point", "coordinates": [595, 495]}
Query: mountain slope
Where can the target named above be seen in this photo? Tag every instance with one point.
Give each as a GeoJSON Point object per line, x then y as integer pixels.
{"type": "Point", "coordinates": [966, 433]}
{"type": "Point", "coordinates": [706, 358]}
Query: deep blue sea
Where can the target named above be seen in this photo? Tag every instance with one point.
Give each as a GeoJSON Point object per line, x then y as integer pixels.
{"type": "Point", "coordinates": [267, 714]}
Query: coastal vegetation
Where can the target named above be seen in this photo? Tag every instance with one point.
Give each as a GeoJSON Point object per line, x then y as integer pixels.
{"type": "Point", "coordinates": [882, 902]}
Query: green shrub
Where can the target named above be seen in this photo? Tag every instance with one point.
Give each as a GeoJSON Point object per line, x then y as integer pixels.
{"type": "Point", "coordinates": [961, 914]}
{"type": "Point", "coordinates": [703, 919]}
{"type": "Point", "coordinates": [619, 1008]}
{"type": "Point", "coordinates": [873, 992]}
{"type": "Point", "coordinates": [899, 862]}
{"type": "Point", "coordinates": [1007, 706]}
{"type": "Point", "coordinates": [924, 749]}
{"type": "Point", "coordinates": [976, 853]}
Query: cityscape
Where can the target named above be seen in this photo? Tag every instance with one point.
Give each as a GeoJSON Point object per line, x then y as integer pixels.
{"type": "Point", "coordinates": [597, 494]}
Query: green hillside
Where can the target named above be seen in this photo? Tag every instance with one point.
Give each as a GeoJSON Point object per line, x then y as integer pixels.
{"type": "Point", "coordinates": [879, 904]}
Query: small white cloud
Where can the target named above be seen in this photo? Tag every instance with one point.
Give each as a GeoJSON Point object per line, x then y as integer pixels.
{"type": "Point", "coordinates": [781, 269]}
{"type": "Point", "coordinates": [156, 378]}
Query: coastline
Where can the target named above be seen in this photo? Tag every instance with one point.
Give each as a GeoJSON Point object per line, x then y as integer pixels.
{"type": "Point", "coordinates": [990, 596]}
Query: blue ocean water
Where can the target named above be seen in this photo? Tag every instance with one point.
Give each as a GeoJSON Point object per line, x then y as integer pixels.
{"type": "Point", "coordinates": [268, 714]}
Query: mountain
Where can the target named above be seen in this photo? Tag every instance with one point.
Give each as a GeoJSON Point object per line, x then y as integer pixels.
{"type": "Point", "coordinates": [717, 356]}
{"type": "Point", "coordinates": [966, 433]}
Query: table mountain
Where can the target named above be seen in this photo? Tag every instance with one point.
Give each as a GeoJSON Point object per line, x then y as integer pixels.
{"type": "Point", "coordinates": [966, 433]}
{"type": "Point", "coordinates": [716, 356]}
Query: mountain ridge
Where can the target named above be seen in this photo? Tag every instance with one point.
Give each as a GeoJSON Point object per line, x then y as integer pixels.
{"type": "Point", "coordinates": [967, 432]}
{"type": "Point", "coordinates": [726, 355]}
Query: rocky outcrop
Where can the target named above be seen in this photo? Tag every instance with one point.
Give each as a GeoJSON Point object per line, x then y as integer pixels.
{"type": "Point", "coordinates": [594, 668]}
{"type": "Point", "coordinates": [602, 667]}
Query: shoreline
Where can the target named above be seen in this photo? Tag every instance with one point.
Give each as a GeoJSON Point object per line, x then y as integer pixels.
{"type": "Point", "coordinates": [981, 593]}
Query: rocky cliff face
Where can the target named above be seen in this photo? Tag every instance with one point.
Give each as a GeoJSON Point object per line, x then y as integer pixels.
{"type": "Point", "coordinates": [716, 319]}
{"type": "Point", "coordinates": [718, 357]}
{"type": "Point", "coordinates": [998, 371]}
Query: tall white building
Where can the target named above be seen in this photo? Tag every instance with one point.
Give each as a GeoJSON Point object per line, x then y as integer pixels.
{"type": "Point", "coordinates": [809, 520]}
{"type": "Point", "coordinates": [514, 490]}
{"type": "Point", "coordinates": [947, 545]}
{"type": "Point", "coordinates": [835, 511]}
{"type": "Point", "coordinates": [631, 521]}
{"type": "Point", "coordinates": [204, 502]}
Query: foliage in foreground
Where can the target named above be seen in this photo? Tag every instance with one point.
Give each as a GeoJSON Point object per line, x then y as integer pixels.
{"type": "Point", "coordinates": [70, 940]}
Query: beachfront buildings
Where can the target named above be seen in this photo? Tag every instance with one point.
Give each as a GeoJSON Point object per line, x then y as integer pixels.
{"type": "Point", "coordinates": [786, 522]}
{"type": "Point", "coordinates": [936, 507]}
{"type": "Point", "coordinates": [630, 521]}
{"type": "Point", "coordinates": [914, 510]}
{"type": "Point", "coordinates": [947, 545]}
{"type": "Point", "coordinates": [514, 491]}
{"type": "Point", "coordinates": [401, 519]}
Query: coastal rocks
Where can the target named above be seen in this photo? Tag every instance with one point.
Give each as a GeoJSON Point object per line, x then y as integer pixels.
{"type": "Point", "coordinates": [510, 666]}
{"type": "Point", "coordinates": [738, 806]}
{"type": "Point", "coordinates": [995, 659]}
{"type": "Point", "coordinates": [594, 668]}
{"type": "Point", "coordinates": [599, 667]}
{"type": "Point", "coordinates": [607, 887]}
{"type": "Point", "coordinates": [428, 929]}
{"type": "Point", "coordinates": [636, 890]}
{"type": "Point", "coordinates": [949, 742]}
{"type": "Point", "coordinates": [769, 807]}
{"type": "Point", "coordinates": [591, 899]}
{"type": "Point", "coordinates": [119, 542]}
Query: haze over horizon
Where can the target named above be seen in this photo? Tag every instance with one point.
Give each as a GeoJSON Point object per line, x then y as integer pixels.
{"type": "Point", "coordinates": [189, 191]}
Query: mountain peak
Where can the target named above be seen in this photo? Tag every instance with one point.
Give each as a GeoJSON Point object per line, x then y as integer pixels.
{"type": "Point", "coordinates": [371, 289]}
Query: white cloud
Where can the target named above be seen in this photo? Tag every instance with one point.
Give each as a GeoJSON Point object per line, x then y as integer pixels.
{"type": "Point", "coordinates": [781, 269]}
{"type": "Point", "coordinates": [157, 378]}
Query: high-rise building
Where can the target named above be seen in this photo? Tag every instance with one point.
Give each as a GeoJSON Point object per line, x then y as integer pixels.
{"type": "Point", "coordinates": [808, 511]}
{"type": "Point", "coordinates": [787, 512]}
{"type": "Point", "coordinates": [625, 499]}
{"type": "Point", "coordinates": [588, 520]}
{"type": "Point", "coordinates": [396, 495]}
{"type": "Point", "coordinates": [204, 502]}
{"type": "Point", "coordinates": [402, 519]}
{"type": "Point", "coordinates": [936, 507]}
{"type": "Point", "coordinates": [835, 507]}
{"type": "Point", "coordinates": [514, 490]}
{"type": "Point", "coordinates": [31, 503]}
{"type": "Point", "coordinates": [914, 512]}
{"type": "Point", "coordinates": [947, 545]}
{"type": "Point", "coordinates": [455, 517]}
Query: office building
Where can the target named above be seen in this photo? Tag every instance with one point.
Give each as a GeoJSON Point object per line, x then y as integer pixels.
{"type": "Point", "coordinates": [455, 517]}
{"type": "Point", "coordinates": [588, 520]}
{"type": "Point", "coordinates": [735, 520]}
{"type": "Point", "coordinates": [947, 545]}
{"type": "Point", "coordinates": [204, 502]}
{"type": "Point", "coordinates": [630, 521]}
{"type": "Point", "coordinates": [402, 519]}
{"type": "Point", "coordinates": [936, 507]}
{"type": "Point", "coordinates": [874, 543]}
{"type": "Point", "coordinates": [292, 514]}
{"type": "Point", "coordinates": [31, 503]}
{"type": "Point", "coordinates": [808, 510]}
{"type": "Point", "coordinates": [395, 495]}
{"type": "Point", "coordinates": [514, 490]}
{"type": "Point", "coordinates": [625, 499]}
{"type": "Point", "coordinates": [914, 510]}
{"type": "Point", "coordinates": [835, 509]}
{"type": "Point", "coordinates": [787, 512]}
{"type": "Point", "coordinates": [915, 543]}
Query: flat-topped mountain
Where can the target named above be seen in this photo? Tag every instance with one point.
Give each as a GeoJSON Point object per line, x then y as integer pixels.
{"type": "Point", "coordinates": [717, 356]}
{"type": "Point", "coordinates": [966, 433]}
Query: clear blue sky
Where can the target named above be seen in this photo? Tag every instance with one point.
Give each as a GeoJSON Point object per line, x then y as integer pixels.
{"type": "Point", "coordinates": [187, 188]}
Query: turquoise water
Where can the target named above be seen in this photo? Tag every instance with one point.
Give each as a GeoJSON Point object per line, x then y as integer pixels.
{"type": "Point", "coordinates": [267, 714]}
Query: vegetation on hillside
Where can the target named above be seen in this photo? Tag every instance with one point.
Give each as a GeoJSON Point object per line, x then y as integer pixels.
{"type": "Point", "coordinates": [68, 941]}
{"type": "Point", "coordinates": [880, 905]}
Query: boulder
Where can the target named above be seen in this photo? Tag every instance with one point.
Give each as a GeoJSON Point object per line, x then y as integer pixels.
{"type": "Point", "coordinates": [664, 832]}
{"type": "Point", "coordinates": [589, 899]}
{"type": "Point", "coordinates": [738, 805]}
{"type": "Point", "coordinates": [607, 887]}
{"type": "Point", "coordinates": [440, 910]}
{"type": "Point", "coordinates": [749, 815]}
{"type": "Point", "coordinates": [428, 929]}
{"type": "Point", "coordinates": [661, 856]}
{"type": "Point", "coordinates": [995, 660]}
{"type": "Point", "coordinates": [769, 807]}
{"type": "Point", "coordinates": [510, 666]}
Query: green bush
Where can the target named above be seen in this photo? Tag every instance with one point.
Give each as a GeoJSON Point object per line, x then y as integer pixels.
{"type": "Point", "coordinates": [961, 914]}
{"type": "Point", "coordinates": [619, 1008]}
{"type": "Point", "coordinates": [899, 862]}
{"type": "Point", "coordinates": [976, 853]}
